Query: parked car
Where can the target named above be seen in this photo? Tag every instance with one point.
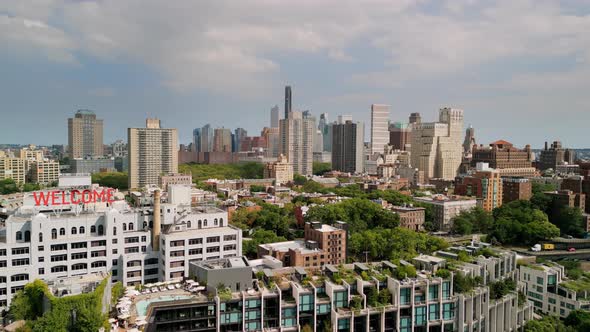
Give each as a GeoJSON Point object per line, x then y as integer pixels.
{"type": "Point", "coordinates": [571, 249]}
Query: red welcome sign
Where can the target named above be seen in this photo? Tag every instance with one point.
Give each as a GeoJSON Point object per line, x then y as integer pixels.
{"type": "Point", "coordinates": [62, 197]}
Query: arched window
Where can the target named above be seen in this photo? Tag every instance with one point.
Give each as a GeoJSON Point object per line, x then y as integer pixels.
{"type": "Point", "coordinates": [19, 236]}
{"type": "Point", "coordinates": [130, 226]}
{"type": "Point", "coordinates": [62, 231]}
{"type": "Point", "coordinates": [204, 222]}
{"type": "Point", "coordinates": [221, 221]}
{"type": "Point", "coordinates": [145, 225]}
{"type": "Point", "coordinates": [74, 231]}
{"type": "Point", "coordinates": [114, 230]}
{"type": "Point", "coordinates": [215, 221]}
{"type": "Point", "coordinates": [124, 226]}
{"type": "Point", "coordinates": [92, 229]}
{"type": "Point", "coordinates": [82, 230]}
{"type": "Point", "coordinates": [100, 230]}
{"type": "Point", "coordinates": [54, 234]}
{"type": "Point", "coordinates": [40, 237]}
{"type": "Point", "coordinates": [188, 224]}
{"type": "Point", "coordinates": [27, 236]}
{"type": "Point", "coordinates": [199, 224]}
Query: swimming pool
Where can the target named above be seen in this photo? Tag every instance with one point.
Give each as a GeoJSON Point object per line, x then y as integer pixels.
{"type": "Point", "coordinates": [141, 306]}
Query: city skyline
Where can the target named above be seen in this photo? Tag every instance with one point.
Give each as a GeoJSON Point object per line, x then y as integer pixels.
{"type": "Point", "coordinates": [483, 58]}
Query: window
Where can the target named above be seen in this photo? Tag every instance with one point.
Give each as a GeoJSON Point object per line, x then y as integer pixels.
{"type": "Point", "coordinates": [98, 264]}
{"type": "Point", "coordinates": [340, 299]}
{"type": "Point", "coordinates": [78, 245]}
{"type": "Point", "coordinates": [195, 241]}
{"type": "Point", "coordinates": [59, 268]}
{"type": "Point", "coordinates": [132, 250]}
{"type": "Point", "coordinates": [215, 222]}
{"type": "Point", "coordinates": [229, 237]}
{"type": "Point", "coordinates": [212, 249]}
{"type": "Point", "coordinates": [213, 239]}
{"type": "Point", "coordinates": [221, 221]}
{"type": "Point", "coordinates": [124, 226]}
{"type": "Point", "coordinates": [92, 229]}
{"type": "Point", "coordinates": [134, 239]}
{"type": "Point", "coordinates": [434, 312]}
{"type": "Point", "coordinates": [420, 315]}
{"type": "Point", "coordinates": [433, 292]}
{"type": "Point", "coordinates": [98, 253]}
{"type": "Point", "coordinates": [41, 270]}
{"type": "Point", "coordinates": [446, 290]}
{"type": "Point", "coordinates": [177, 253]}
{"type": "Point", "coordinates": [448, 311]}
{"type": "Point", "coordinates": [229, 247]}
{"type": "Point", "coordinates": [306, 302]}
{"type": "Point", "coordinates": [405, 295]}
{"type": "Point", "coordinates": [150, 261]}
{"type": "Point", "coordinates": [62, 231]}
{"type": "Point", "coordinates": [133, 263]}
{"type": "Point", "coordinates": [27, 236]}
{"type": "Point", "coordinates": [114, 230]}
{"type": "Point", "coordinates": [204, 222]}
{"type": "Point", "coordinates": [20, 262]}
{"type": "Point", "coordinates": [40, 237]}
{"type": "Point", "coordinates": [540, 280]}
{"type": "Point", "coordinates": [20, 251]}
{"type": "Point", "coordinates": [143, 238]}
{"type": "Point", "coordinates": [199, 224]}
{"type": "Point", "coordinates": [15, 289]}
{"type": "Point", "coordinates": [59, 247]}
{"type": "Point", "coordinates": [59, 258]}
{"type": "Point", "coordinates": [19, 236]}
{"type": "Point", "coordinates": [54, 234]}
{"type": "Point", "coordinates": [195, 251]}
{"type": "Point", "coordinates": [82, 230]}
{"type": "Point", "coordinates": [100, 230]}
{"type": "Point", "coordinates": [41, 259]}
{"type": "Point", "coordinates": [188, 224]}
{"type": "Point", "coordinates": [74, 231]}
{"type": "Point", "coordinates": [79, 255]}
{"type": "Point", "coordinates": [79, 266]}
{"type": "Point", "coordinates": [3, 263]}
{"type": "Point", "coordinates": [130, 226]}
{"type": "Point", "coordinates": [40, 248]}
{"type": "Point", "coordinates": [177, 243]}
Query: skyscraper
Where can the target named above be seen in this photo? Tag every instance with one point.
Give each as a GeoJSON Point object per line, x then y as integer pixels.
{"type": "Point", "coordinates": [415, 118]}
{"type": "Point", "coordinates": [348, 146]}
{"type": "Point", "coordinates": [206, 144]}
{"type": "Point", "coordinates": [296, 141]}
{"type": "Point", "coordinates": [271, 138]}
{"type": "Point", "coordinates": [85, 135]}
{"type": "Point", "coordinates": [274, 117]}
{"type": "Point", "coordinates": [196, 140]}
{"type": "Point", "coordinates": [239, 135]}
{"type": "Point", "coordinates": [379, 128]}
{"type": "Point", "coordinates": [469, 141]}
{"type": "Point", "coordinates": [436, 146]}
{"type": "Point", "coordinates": [287, 101]}
{"type": "Point", "coordinates": [152, 151]}
{"type": "Point", "coordinates": [222, 140]}
{"type": "Point", "coordinates": [400, 135]}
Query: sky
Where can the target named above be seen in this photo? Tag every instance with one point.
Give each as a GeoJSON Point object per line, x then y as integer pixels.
{"type": "Point", "coordinates": [520, 69]}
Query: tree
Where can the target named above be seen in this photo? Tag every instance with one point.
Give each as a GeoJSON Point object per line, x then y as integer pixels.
{"type": "Point", "coordinates": [306, 328]}
{"type": "Point", "coordinates": [117, 180]}
{"type": "Point", "coordinates": [256, 189]}
{"type": "Point", "coordinates": [579, 320]}
{"type": "Point", "coordinates": [299, 179]}
{"type": "Point", "coordinates": [8, 186]}
{"type": "Point", "coordinates": [569, 220]}
{"type": "Point", "coordinates": [321, 168]}
{"type": "Point", "coordinates": [519, 222]}
{"type": "Point", "coordinates": [462, 225]}
{"type": "Point", "coordinates": [546, 324]}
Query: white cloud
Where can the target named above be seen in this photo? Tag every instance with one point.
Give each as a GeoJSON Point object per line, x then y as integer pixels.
{"type": "Point", "coordinates": [236, 46]}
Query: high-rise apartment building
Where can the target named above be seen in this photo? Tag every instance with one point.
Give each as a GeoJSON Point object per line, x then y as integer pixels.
{"type": "Point", "coordinates": [31, 153]}
{"type": "Point", "coordinates": [44, 172]}
{"type": "Point", "coordinates": [296, 141]}
{"type": "Point", "coordinates": [274, 117]}
{"type": "Point", "coordinates": [196, 140]}
{"type": "Point", "coordinates": [485, 184]}
{"type": "Point", "coordinates": [436, 146]}
{"type": "Point", "coordinates": [239, 135]}
{"type": "Point", "coordinates": [152, 151]}
{"type": "Point", "coordinates": [400, 136]}
{"type": "Point", "coordinates": [272, 140]}
{"type": "Point", "coordinates": [555, 155]}
{"type": "Point", "coordinates": [326, 128]}
{"type": "Point", "coordinates": [379, 128]}
{"type": "Point", "coordinates": [222, 140]}
{"type": "Point", "coordinates": [288, 101]}
{"type": "Point", "coordinates": [85, 135]}
{"type": "Point", "coordinates": [206, 139]}
{"type": "Point", "coordinates": [119, 148]}
{"type": "Point", "coordinates": [469, 142]}
{"type": "Point", "coordinates": [504, 157]}
{"type": "Point", "coordinates": [348, 146]}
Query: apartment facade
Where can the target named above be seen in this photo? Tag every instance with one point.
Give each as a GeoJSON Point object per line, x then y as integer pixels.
{"type": "Point", "coordinates": [281, 171]}
{"type": "Point", "coordinates": [445, 208]}
{"type": "Point", "coordinates": [516, 188]}
{"type": "Point", "coordinates": [436, 146]}
{"type": "Point", "coordinates": [44, 171]}
{"type": "Point", "coordinates": [296, 141]}
{"type": "Point", "coordinates": [485, 184]}
{"type": "Point", "coordinates": [152, 151]}
{"type": "Point", "coordinates": [410, 217]}
{"type": "Point", "coordinates": [85, 135]}
{"type": "Point", "coordinates": [379, 128]}
{"type": "Point", "coordinates": [348, 147]}
{"type": "Point", "coordinates": [13, 168]}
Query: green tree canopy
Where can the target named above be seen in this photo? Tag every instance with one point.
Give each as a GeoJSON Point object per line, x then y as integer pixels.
{"type": "Point", "coordinates": [117, 180]}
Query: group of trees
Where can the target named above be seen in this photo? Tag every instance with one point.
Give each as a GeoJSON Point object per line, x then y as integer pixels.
{"type": "Point", "coordinates": [476, 220]}
{"type": "Point", "coordinates": [9, 186]}
{"type": "Point", "coordinates": [268, 217]}
{"type": "Point", "coordinates": [577, 320]}
{"type": "Point", "coordinates": [392, 243]}
{"type": "Point", "coordinates": [86, 308]}
{"type": "Point", "coordinates": [360, 214]}
{"type": "Point", "coordinates": [202, 172]}
{"type": "Point", "coordinates": [117, 180]}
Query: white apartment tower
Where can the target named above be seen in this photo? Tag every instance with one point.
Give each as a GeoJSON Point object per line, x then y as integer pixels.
{"type": "Point", "coordinates": [436, 146]}
{"type": "Point", "coordinates": [379, 128]}
{"type": "Point", "coordinates": [152, 151]}
{"type": "Point", "coordinates": [296, 141]}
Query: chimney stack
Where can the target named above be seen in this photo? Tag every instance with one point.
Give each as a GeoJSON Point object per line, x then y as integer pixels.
{"type": "Point", "coordinates": [157, 222]}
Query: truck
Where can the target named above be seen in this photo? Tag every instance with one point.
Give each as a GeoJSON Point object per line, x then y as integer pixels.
{"type": "Point", "coordinates": [545, 247]}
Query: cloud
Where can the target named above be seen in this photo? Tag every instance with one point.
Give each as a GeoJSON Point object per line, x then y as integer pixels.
{"type": "Point", "coordinates": [238, 47]}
